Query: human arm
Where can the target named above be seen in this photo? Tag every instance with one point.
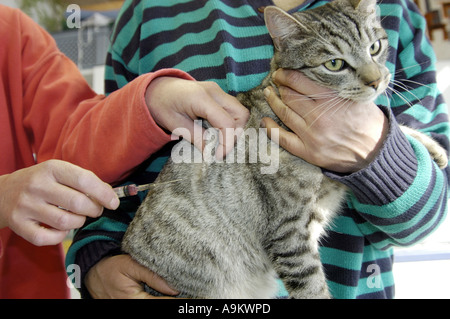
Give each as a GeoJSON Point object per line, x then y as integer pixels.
{"type": "Point", "coordinates": [110, 135]}
{"type": "Point", "coordinates": [63, 118]}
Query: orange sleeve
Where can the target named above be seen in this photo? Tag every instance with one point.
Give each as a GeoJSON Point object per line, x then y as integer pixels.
{"type": "Point", "coordinates": [65, 119]}
{"type": "Point", "coordinates": [112, 135]}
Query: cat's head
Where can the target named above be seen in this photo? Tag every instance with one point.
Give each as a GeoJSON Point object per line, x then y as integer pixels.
{"type": "Point", "coordinates": [340, 45]}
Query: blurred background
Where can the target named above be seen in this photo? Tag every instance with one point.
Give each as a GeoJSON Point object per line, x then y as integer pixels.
{"type": "Point", "coordinates": [421, 271]}
{"type": "Point", "coordinates": [85, 45]}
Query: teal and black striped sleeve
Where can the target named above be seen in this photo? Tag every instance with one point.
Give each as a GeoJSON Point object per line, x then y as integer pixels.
{"type": "Point", "coordinates": [398, 199]}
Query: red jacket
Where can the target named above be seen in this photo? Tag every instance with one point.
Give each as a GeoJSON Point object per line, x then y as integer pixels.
{"type": "Point", "coordinates": [47, 110]}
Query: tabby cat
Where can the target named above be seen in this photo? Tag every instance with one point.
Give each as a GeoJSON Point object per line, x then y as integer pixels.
{"type": "Point", "coordinates": [228, 230]}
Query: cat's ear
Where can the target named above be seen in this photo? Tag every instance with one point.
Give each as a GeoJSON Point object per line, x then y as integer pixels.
{"type": "Point", "coordinates": [280, 24]}
{"type": "Point", "coordinates": [367, 6]}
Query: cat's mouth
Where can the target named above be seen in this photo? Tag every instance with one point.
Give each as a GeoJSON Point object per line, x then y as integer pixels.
{"type": "Point", "coordinates": [367, 92]}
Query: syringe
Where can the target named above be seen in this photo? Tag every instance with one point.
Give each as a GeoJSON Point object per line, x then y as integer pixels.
{"type": "Point", "coordinates": [133, 189]}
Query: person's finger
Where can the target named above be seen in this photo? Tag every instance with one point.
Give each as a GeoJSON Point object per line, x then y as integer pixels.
{"type": "Point", "coordinates": [188, 129]}
{"type": "Point", "coordinates": [287, 140]}
{"type": "Point", "coordinates": [290, 118]}
{"type": "Point", "coordinates": [144, 295]}
{"type": "Point", "coordinates": [298, 82]}
{"type": "Point", "coordinates": [86, 182]}
{"type": "Point", "coordinates": [227, 115]}
{"type": "Point", "coordinates": [237, 112]}
{"type": "Point", "coordinates": [59, 218]}
{"type": "Point", "coordinates": [220, 119]}
{"type": "Point", "coordinates": [154, 281]}
{"type": "Point", "coordinates": [71, 200]}
{"type": "Point", "coordinates": [39, 235]}
{"type": "Point", "coordinates": [227, 140]}
{"type": "Point", "coordinates": [42, 223]}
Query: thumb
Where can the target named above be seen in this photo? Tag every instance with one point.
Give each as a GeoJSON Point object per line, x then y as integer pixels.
{"type": "Point", "coordinates": [272, 128]}
{"type": "Point", "coordinates": [140, 273]}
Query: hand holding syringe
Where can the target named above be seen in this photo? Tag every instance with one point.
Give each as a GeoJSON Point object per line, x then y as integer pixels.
{"type": "Point", "coordinates": [133, 189]}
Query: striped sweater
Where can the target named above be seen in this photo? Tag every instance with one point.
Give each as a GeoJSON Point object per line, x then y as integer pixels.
{"type": "Point", "coordinates": [397, 200]}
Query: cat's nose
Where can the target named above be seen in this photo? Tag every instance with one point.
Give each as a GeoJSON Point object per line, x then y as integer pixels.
{"type": "Point", "coordinates": [374, 84]}
{"type": "Point", "coordinates": [370, 75]}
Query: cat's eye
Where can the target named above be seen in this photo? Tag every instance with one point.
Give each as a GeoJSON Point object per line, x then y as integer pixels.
{"type": "Point", "coordinates": [335, 65]}
{"type": "Point", "coordinates": [375, 48]}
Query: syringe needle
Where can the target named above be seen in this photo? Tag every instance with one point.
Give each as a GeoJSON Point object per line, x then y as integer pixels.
{"type": "Point", "coordinates": [148, 186]}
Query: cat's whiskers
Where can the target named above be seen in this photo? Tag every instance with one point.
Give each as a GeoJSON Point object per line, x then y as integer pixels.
{"type": "Point", "coordinates": [316, 96]}
{"type": "Point", "coordinates": [382, 19]}
{"type": "Point", "coordinates": [400, 84]}
{"type": "Point", "coordinates": [330, 100]}
{"type": "Point", "coordinates": [413, 82]}
{"type": "Point", "coordinates": [324, 105]}
{"type": "Point", "coordinates": [399, 71]}
{"type": "Point", "coordinates": [328, 106]}
{"type": "Point", "coordinates": [400, 95]}
{"type": "Point", "coordinates": [372, 33]}
{"type": "Point", "coordinates": [388, 97]}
